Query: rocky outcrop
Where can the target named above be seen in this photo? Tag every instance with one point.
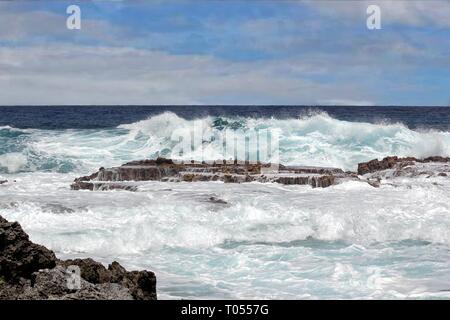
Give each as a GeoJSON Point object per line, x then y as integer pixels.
{"type": "Point", "coordinates": [236, 172]}
{"type": "Point", "coordinates": [141, 284]}
{"type": "Point", "coordinates": [51, 284]}
{"type": "Point", "coordinates": [128, 176]}
{"type": "Point", "coordinates": [31, 271]}
{"type": "Point", "coordinates": [396, 163]}
{"type": "Point", "coordinates": [19, 257]}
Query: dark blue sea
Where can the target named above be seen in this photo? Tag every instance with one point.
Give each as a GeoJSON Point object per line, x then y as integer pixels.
{"type": "Point", "coordinates": [90, 117]}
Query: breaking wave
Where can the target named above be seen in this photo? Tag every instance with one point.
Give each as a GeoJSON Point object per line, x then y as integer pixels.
{"type": "Point", "coordinates": [314, 139]}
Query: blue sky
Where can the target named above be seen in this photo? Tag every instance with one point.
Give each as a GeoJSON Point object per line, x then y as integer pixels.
{"type": "Point", "coordinates": [225, 52]}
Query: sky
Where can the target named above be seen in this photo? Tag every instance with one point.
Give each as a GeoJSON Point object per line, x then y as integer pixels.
{"type": "Point", "coordinates": [222, 52]}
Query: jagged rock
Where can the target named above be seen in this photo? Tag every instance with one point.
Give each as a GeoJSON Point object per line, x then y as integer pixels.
{"type": "Point", "coordinates": [92, 271]}
{"type": "Point", "coordinates": [31, 271]}
{"type": "Point", "coordinates": [51, 284]}
{"type": "Point", "coordinates": [90, 177]}
{"type": "Point", "coordinates": [375, 165]}
{"type": "Point", "coordinates": [237, 172]}
{"type": "Point", "coordinates": [142, 284]}
{"type": "Point", "coordinates": [391, 162]}
{"type": "Point", "coordinates": [19, 257]}
{"type": "Point", "coordinates": [394, 167]}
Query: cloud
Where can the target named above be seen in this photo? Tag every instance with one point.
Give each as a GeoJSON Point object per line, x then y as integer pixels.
{"type": "Point", "coordinates": [40, 26]}
{"type": "Point", "coordinates": [65, 74]}
{"type": "Point", "coordinates": [343, 102]}
{"type": "Point", "coordinates": [416, 13]}
{"type": "Point", "coordinates": [299, 60]}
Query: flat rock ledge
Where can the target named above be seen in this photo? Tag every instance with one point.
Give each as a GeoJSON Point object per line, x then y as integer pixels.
{"type": "Point", "coordinates": [127, 176]}
{"type": "Point", "coordinates": [29, 271]}
{"type": "Point", "coordinates": [163, 169]}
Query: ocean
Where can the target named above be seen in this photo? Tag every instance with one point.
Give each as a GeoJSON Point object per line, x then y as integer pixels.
{"type": "Point", "coordinates": [265, 240]}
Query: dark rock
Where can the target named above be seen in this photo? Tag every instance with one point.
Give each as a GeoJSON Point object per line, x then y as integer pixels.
{"type": "Point", "coordinates": [90, 177]}
{"type": "Point", "coordinates": [19, 257]}
{"type": "Point", "coordinates": [390, 162]}
{"type": "Point", "coordinates": [113, 186]}
{"type": "Point", "coordinates": [393, 167]}
{"type": "Point", "coordinates": [141, 284]}
{"type": "Point", "coordinates": [217, 200]}
{"type": "Point", "coordinates": [160, 161]}
{"type": "Point", "coordinates": [436, 159]}
{"type": "Point", "coordinates": [117, 272]}
{"type": "Point", "coordinates": [375, 165]}
{"type": "Point", "coordinates": [92, 271]}
{"type": "Point", "coordinates": [81, 185]}
{"type": "Point", "coordinates": [30, 271]}
{"type": "Point", "coordinates": [51, 284]}
{"type": "Point", "coordinates": [374, 182]}
{"type": "Point", "coordinates": [236, 172]}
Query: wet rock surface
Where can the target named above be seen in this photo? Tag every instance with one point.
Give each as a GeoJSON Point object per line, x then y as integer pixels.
{"type": "Point", "coordinates": [236, 172]}
{"type": "Point", "coordinates": [31, 271]}
{"type": "Point", "coordinates": [128, 176]}
{"type": "Point", "coordinates": [19, 257]}
{"type": "Point", "coordinates": [393, 167]}
{"type": "Point", "coordinates": [396, 162]}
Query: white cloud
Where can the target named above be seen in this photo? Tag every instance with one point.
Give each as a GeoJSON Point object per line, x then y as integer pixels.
{"type": "Point", "coordinates": [39, 26]}
{"type": "Point", "coordinates": [341, 69]}
{"type": "Point", "coordinates": [346, 102]}
{"type": "Point", "coordinates": [110, 75]}
{"type": "Point", "coordinates": [406, 12]}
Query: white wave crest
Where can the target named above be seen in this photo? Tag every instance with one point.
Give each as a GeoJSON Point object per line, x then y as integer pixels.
{"type": "Point", "coordinates": [315, 139]}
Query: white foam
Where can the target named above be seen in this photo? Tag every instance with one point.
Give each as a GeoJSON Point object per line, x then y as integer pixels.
{"type": "Point", "coordinates": [316, 139]}
{"type": "Point", "coordinates": [267, 241]}
{"type": "Point", "coordinates": [13, 161]}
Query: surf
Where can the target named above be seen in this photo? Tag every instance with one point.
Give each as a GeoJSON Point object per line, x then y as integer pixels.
{"type": "Point", "coordinates": [310, 139]}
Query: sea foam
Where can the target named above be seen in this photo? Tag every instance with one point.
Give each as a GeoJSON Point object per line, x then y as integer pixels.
{"type": "Point", "coordinates": [314, 139]}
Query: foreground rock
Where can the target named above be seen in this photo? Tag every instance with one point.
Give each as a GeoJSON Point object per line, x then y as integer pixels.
{"type": "Point", "coordinates": [168, 170]}
{"type": "Point", "coordinates": [31, 271]}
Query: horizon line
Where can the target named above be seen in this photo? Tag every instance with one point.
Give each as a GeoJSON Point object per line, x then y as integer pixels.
{"type": "Point", "coordinates": [224, 105]}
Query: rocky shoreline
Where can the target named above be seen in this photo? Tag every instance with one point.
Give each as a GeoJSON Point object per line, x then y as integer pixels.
{"type": "Point", "coordinates": [29, 271]}
{"type": "Point", "coordinates": [128, 175]}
